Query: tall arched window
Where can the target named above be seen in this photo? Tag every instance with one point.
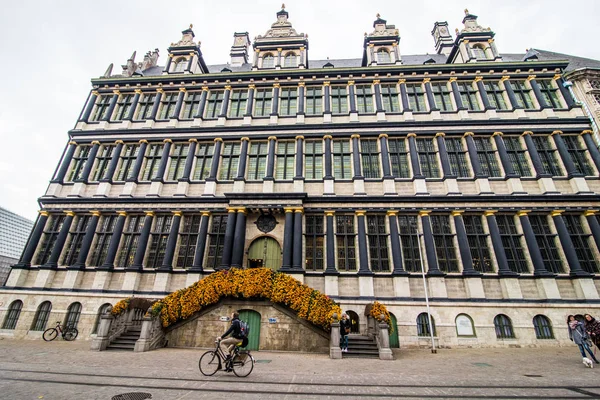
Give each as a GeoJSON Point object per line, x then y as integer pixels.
{"type": "Point", "coordinates": [180, 64]}
{"type": "Point", "coordinates": [41, 316]}
{"type": "Point", "coordinates": [504, 328]}
{"type": "Point", "coordinates": [101, 311]}
{"type": "Point", "coordinates": [479, 52]}
{"type": "Point", "coordinates": [383, 56]}
{"type": "Point", "coordinates": [268, 61]}
{"type": "Point", "coordinates": [543, 327]}
{"type": "Point", "coordinates": [73, 313]}
{"type": "Point", "coordinates": [290, 60]}
{"type": "Point", "coordinates": [423, 325]}
{"type": "Point", "coordinates": [12, 316]}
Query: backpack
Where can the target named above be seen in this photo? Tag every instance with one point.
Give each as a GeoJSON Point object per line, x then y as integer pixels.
{"type": "Point", "coordinates": [244, 329]}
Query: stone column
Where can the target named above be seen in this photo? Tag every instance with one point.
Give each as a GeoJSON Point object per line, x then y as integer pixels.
{"type": "Point", "coordinates": [327, 99]}
{"type": "Point", "coordinates": [560, 82]}
{"type": "Point", "coordinates": [352, 95]}
{"type": "Point", "coordinates": [432, 262]}
{"type": "Point", "coordinates": [301, 90]}
{"type": "Point", "coordinates": [156, 105]}
{"type": "Point", "coordinates": [243, 156]}
{"type": "Point", "coordinates": [565, 156]}
{"type": "Point", "coordinates": [89, 162]}
{"type": "Point", "coordinates": [225, 104]}
{"type": "Point", "coordinates": [139, 161]}
{"type": "Point", "coordinates": [443, 151]}
{"type": "Point", "coordinates": [504, 159]}
{"type": "Point", "coordinates": [378, 102]}
{"type": "Point", "coordinates": [395, 240]}
{"type": "Point", "coordinates": [330, 243]}
{"type": "Point", "coordinates": [66, 162]}
{"type": "Point", "coordinates": [114, 161]}
{"type": "Point", "coordinates": [278, 57]}
{"type": "Point", "coordinates": [255, 62]}
{"type": "Point", "coordinates": [140, 252]}
{"type": "Point", "coordinates": [168, 63]}
{"type": "Point", "coordinates": [532, 246]}
{"type": "Point", "coordinates": [288, 233]}
{"type": "Point", "coordinates": [328, 159]}
{"type": "Point", "coordinates": [592, 148]}
{"type": "Point", "coordinates": [271, 158]}
{"type": "Point", "coordinates": [590, 216]}
{"type": "Point", "coordinates": [239, 239]}
{"type": "Point", "coordinates": [214, 166]}
{"type": "Point", "coordinates": [190, 63]}
{"type": "Point", "coordinates": [538, 93]}
{"type": "Point", "coordinates": [404, 96]}
{"type": "Point", "coordinates": [202, 104]}
{"type": "Point", "coordinates": [275, 104]}
{"type": "Point", "coordinates": [456, 94]}
{"type": "Point", "coordinates": [90, 106]}
{"type": "Point", "coordinates": [228, 241]}
{"type": "Point", "coordinates": [503, 268]}
{"type": "Point", "coordinates": [189, 161]}
{"type": "Point", "coordinates": [179, 103]}
{"type": "Point", "coordinates": [429, 94]}
{"type": "Point", "coordinates": [164, 159]}
{"type": "Point", "coordinates": [535, 157]}
{"type": "Point", "coordinates": [385, 156]}
{"type": "Point", "coordinates": [510, 92]}
{"type": "Point", "coordinates": [250, 102]}
{"type": "Point", "coordinates": [362, 244]}
{"type": "Point", "coordinates": [414, 156]}
{"type": "Point", "coordinates": [197, 265]}
{"type": "Point", "coordinates": [483, 93]}
{"type": "Point", "coordinates": [297, 252]}
{"type": "Point", "coordinates": [472, 149]}
{"type": "Point", "coordinates": [134, 103]}
{"type": "Point", "coordinates": [115, 239]}
{"type": "Point", "coordinates": [463, 245]}
{"type": "Point", "coordinates": [111, 105]}
{"type": "Point", "coordinates": [167, 261]}
{"type": "Point", "coordinates": [52, 262]}
{"type": "Point", "coordinates": [87, 241]}
{"type": "Point", "coordinates": [567, 245]}
{"type": "Point", "coordinates": [356, 157]}
{"type": "Point", "coordinates": [299, 157]}
{"type": "Point", "coordinates": [33, 241]}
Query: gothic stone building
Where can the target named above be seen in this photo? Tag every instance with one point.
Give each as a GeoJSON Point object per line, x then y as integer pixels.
{"type": "Point", "coordinates": [351, 175]}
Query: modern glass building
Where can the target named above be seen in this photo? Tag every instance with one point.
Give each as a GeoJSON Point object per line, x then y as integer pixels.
{"type": "Point", "coordinates": [14, 231]}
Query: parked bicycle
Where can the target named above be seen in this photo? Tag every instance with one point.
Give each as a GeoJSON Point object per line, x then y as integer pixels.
{"type": "Point", "coordinates": [241, 363]}
{"type": "Point", "coordinates": [69, 333]}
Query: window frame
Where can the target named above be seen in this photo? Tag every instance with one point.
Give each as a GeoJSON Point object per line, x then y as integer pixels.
{"type": "Point", "coordinates": [478, 244]}
{"type": "Point", "coordinates": [487, 155]}
{"type": "Point", "coordinates": [13, 314]}
{"type": "Point", "coordinates": [416, 97]}
{"type": "Point", "coordinates": [503, 327]}
{"type": "Point", "coordinates": [345, 240]}
{"type": "Point", "coordinates": [546, 241]}
{"type": "Point", "coordinates": [512, 244]}
{"type": "Point", "coordinates": [187, 239]}
{"type": "Point", "coordinates": [159, 235]}
{"type": "Point", "coordinates": [103, 235]}
{"type": "Point", "coordinates": [342, 159]}
{"type": "Point", "coordinates": [444, 243]}
{"type": "Point", "coordinates": [428, 158]}
{"type": "Point", "coordinates": [230, 159]}
{"type": "Point", "coordinates": [377, 242]}
{"type": "Point", "coordinates": [543, 327]}
{"type": "Point", "coordinates": [314, 239]}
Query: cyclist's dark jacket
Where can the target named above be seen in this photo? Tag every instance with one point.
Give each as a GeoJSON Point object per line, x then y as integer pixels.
{"type": "Point", "coordinates": [235, 328]}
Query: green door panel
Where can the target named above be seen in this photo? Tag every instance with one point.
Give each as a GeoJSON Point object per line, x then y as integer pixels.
{"type": "Point", "coordinates": [252, 318]}
{"type": "Point", "coordinates": [394, 341]}
{"type": "Point", "coordinates": [267, 250]}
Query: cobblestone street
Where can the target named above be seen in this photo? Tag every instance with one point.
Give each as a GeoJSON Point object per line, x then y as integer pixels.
{"type": "Point", "coordinates": [61, 370]}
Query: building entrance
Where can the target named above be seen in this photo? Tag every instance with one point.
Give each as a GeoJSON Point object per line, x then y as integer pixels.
{"type": "Point", "coordinates": [264, 252]}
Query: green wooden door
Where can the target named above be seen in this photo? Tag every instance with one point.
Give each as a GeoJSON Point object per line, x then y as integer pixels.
{"type": "Point", "coordinates": [252, 318]}
{"type": "Point", "coordinates": [394, 341]}
{"type": "Point", "coordinates": [267, 250]}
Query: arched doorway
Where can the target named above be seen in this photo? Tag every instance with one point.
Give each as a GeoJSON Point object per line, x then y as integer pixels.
{"type": "Point", "coordinates": [264, 252]}
{"type": "Point", "coordinates": [252, 318]}
{"type": "Point", "coordinates": [354, 327]}
{"type": "Point", "coordinates": [394, 341]}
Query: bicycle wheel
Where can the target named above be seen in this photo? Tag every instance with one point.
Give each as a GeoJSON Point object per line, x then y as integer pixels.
{"type": "Point", "coordinates": [243, 364]}
{"type": "Point", "coordinates": [50, 334]}
{"type": "Point", "coordinates": [209, 363]}
{"type": "Point", "coordinates": [70, 334]}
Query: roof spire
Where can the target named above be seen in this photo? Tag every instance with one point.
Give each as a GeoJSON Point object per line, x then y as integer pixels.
{"type": "Point", "coordinates": [466, 11]}
{"type": "Point", "coordinates": [283, 6]}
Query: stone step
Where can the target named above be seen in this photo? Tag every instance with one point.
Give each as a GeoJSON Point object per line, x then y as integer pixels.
{"type": "Point", "coordinates": [370, 347]}
{"type": "Point", "coordinates": [123, 341]}
{"type": "Point", "coordinates": [120, 347]}
{"type": "Point", "coordinates": [353, 355]}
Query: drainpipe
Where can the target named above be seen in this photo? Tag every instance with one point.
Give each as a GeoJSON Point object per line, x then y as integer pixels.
{"type": "Point", "coordinates": [587, 111]}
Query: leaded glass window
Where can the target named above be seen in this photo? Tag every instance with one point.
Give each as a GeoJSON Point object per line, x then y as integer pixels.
{"type": "Point", "coordinates": [478, 245]}
{"type": "Point", "coordinates": [152, 161]}
{"type": "Point", "coordinates": [578, 154]}
{"type": "Point", "coordinates": [288, 104]}
{"type": "Point", "coordinates": [423, 325]}
{"type": "Point", "coordinates": [549, 92]}
{"type": "Point", "coordinates": [257, 161]}
{"type": "Point", "coordinates": [546, 241]}
{"type": "Point", "coordinates": [263, 100]}
{"type": "Point", "coordinates": [511, 242]}
{"type": "Point", "coordinates": [468, 96]}
{"type": "Point", "coordinates": [345, 237]}
{"type": "Point", "coordinates": [444, 243]}
{"type": "Point", "coordinates": [389, 95]}
{"type": "Point", "coordinates": [103, 159]}
{"type": "Point", "coordinates": [204, 157]}
{"type": "Point", "coordinates": [341, 159]}
{"type": "Point", "coordinates": [516, 155]}
{"type": "Point", "coordinates": [378, 247]}
{"type": "Point", "coordinates": [179, 153]}
{"type": "Point", "coordinates": [428, 158]}
{"type": "Point", "coordinates": [191, 104]}
{"type": "Point", "coordinates": [314, 100]}
{"type": "Point", "coordinates": [313, 159]}
{"type": "Point", "coordinates": [416, 97]}
{"type": "Point", "coordinates": [314, 238]}
{"type": "Point", "coordinates": [548, 155]}
{"type": "Point", "coordinates": [75, 239]}
{"type": "Point", "coordinates": [49, 236]}
{"type": "Point", "coordinates": [290, 60]}
{"type": "Point", "coordinates": [503, 326]}
{"type": "Point", "coordinates": [78, 163]}
{"type": "Point", "coordinates": [369, 155]}
{"type": "Point", "coordinates": [239, 99]}
{"type": "Point", "coordinates": [158, 240]}
{"type": "Point", "coordinates": [145, 106]}
{"type": "Point", "coordinates": [457, 155]}
{"type": "Point", "coordinates": [364, 99]}
{"type": "Point", "coordinates": [581, 243]}
{"type": "Point", "coordinates": [128, 156]}
{"type": "Point", "coordinates": [104, 233]}
{"type": "Point", "coordinates": [268, 61]}
{"type": "Point", "coordinates": [409, 239]}
{"type": "Point", "coordinates": [41, 317]}
{"type": "Point", "coordinates": [339, 100]}
{"type": "Point", "coordinates": [73, 314]}
{"type": "Point", "coordinates": [229, 161]}
{"type": "Point", "coordinates": [478, 53]}
{"type": "Point", "coordinates": [487, 157]}
{"type": "Point", "coordinates": [216, 237]}
{"type": "Point", "coordinates": [523, 94]}
{"type": "Point", "coordinates": [101, 109]}
{"type": "Point", "coordinates": [285, 159]}
{"type": "Point", "coordinates": [168, 102]}
{"type": "Point", "coordinates": [129, 241]}
{"type": "Point", "coordinates": [180, 64]}
{"type": "Point", "coordinates": [383, 56]}
{"type": "Point", "coordinates": [441, 96]}
{"type": "Point", "coordinates": [399, 158]}
{"type": "Point", "coordinates": [187, 240]}
{"type": "Point", "coordinates": [495, 95]}
{"type": "Point", "coordinates": [214, 102]}
{"type": "Point", "coordinates": [123, 106]}
{"type": "Point", "coordinates": [542, 327]}
{"type": "Point", "coordinates": [12, 315]}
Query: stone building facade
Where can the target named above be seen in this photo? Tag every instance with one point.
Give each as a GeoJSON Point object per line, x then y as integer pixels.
{"type": "Point", "coordinates": [354, 176]}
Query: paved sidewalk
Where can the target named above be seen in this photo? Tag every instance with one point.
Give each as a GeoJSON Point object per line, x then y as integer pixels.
{"type": "Point", "coordinates": [69, 370]}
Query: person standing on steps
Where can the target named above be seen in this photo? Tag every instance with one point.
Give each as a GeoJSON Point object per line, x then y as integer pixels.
{"type": "Point", "coordinates": [344, 331]}
{"type": "Point", "coordinates": [579, 336]}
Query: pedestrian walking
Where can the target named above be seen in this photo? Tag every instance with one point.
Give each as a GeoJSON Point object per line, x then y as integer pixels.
{"type": "Point", "coordinates": [344, 331]}
{"type": "Point", "coordinates": [579, 336]}
{"type": "Point", "coordinates": [592, 327]}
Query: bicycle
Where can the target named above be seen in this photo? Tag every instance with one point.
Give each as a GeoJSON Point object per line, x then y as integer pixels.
{"type": "Point", "coordinates": [68, 334]}
{"type": "Point", "coordinates": [242, 362]}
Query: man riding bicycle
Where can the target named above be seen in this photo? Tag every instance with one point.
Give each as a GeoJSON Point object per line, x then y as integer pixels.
{"type": "Point", "coordinates": [235, 331]}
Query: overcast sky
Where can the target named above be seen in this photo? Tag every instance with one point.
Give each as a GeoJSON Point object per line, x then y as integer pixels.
{"type": "Point", "coordinates": [50, 50]}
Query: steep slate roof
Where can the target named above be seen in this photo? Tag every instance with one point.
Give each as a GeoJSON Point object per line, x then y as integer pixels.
{"type": "Point", "coordinates": [418, 59]}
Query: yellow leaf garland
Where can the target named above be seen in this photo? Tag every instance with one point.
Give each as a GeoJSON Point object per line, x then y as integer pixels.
{"type": "Point", "coordinates": [377, 309]}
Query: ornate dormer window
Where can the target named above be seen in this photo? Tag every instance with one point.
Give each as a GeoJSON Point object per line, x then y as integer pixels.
{"type": "Point", "coordinates": [180, 64]}
{"type": "Point", "coordinates": [479, 52]}
{"type": "Point", "coordinates": [473, 43]}
{"type": "Point", "coordinates": [185, 56]}
{"type": "Point", "coordinates": [281, 46]}
{"type": "Point", "coordinates": [381, 45]}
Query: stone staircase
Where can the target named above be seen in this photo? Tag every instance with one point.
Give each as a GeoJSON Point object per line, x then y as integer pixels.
{"type": "Point", "coordinates": [127, 340]}
{"type": "Point", "coordinates": [361, 347]}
